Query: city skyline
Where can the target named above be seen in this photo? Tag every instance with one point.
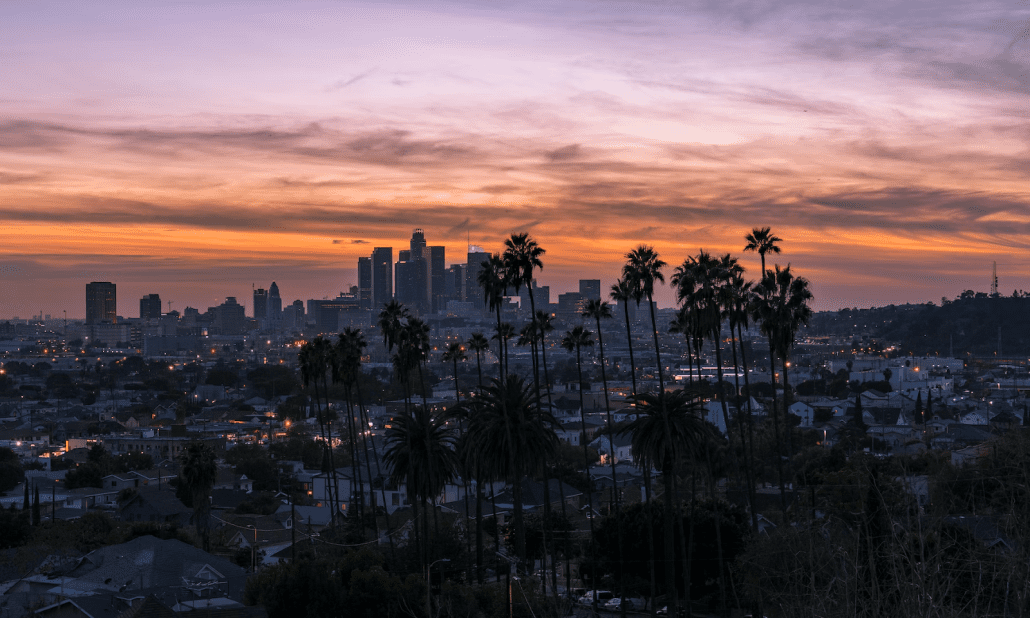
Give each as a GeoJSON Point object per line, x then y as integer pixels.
{"type": "Point", "coordinates": [194, 151]}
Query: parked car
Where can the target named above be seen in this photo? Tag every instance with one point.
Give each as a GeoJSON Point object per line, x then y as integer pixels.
{"type": "Point", "coordinates": [603, 596]}
{"type": "Point", "coordinates": [631, 604]}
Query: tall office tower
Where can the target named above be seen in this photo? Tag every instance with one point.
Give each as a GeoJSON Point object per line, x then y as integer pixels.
{"type": "Point", "coordinates": [365, 283]}
{"type": "Point", "coordinates": [150, 307]}
{"type": "Point", "coordinates": [230, 317]}
{"type": "Point", "coordinates": [473, 292]}
{"type": "Point", "coordinates": [403, 277]}
{"type": "Point", "coordinates": [436, 260]}
{"type": "Point", "coordinates": [418, 243]}
{"type": "Point", "coordinates": [293, 315]}
{"type": "Point", "coordinates": [541, 298]}
{"type": "Point", "coordinates": [454, 283]}
{"type": "Point", "coordinates": [571, 306]}
{"type": "Point", "coordinates": [260, 304]}
{"type": "Point", "coordinates": [275, 304]}
{"type": "Point", "coordinates": [590, 289]}
{"type": "Point", "coordinates": [101, 302]}
{"type": "Point", "coordinates": [382, 278]}
{"type": "Point", "coordinates": [418, 292]}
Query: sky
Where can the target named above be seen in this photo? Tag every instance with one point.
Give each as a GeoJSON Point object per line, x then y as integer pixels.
{"type": "Point", "coordinates": [199, 149]}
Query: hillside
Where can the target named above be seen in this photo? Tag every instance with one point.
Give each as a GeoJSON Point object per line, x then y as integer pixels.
{"type": "Point", "coordinates": [965, 325]}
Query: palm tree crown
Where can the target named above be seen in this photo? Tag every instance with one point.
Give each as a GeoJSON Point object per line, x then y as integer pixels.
{"type": "Point", "coordinates": [762, 240]}
{"type": "Point", "coordinates": [521, 258]}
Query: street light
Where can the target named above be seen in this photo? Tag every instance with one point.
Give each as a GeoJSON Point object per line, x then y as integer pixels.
{"type": "Point", "coordinates": [429, 587]}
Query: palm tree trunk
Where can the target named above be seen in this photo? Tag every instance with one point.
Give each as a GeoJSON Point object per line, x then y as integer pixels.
{"type": "Point", "coordinates": [776, 430]}
{"type": "Point", "coordinates": [586, 469]}
{"type": "Point", "coordinates": [561, 490]}
{"type": "Point", "coordinates": [620, 572]}
{"type": "Point", "coordinates": [629, 340]}
{"type": "Point", "coordinates": [750, 428]}
{"type": "Point", "coordinates": [669, 537]}
{"type": "Point", "coordinates": [379, 472]}
{"type": "Point", "coordinates": [657, 350]}
{"type": "Point", "coordinates": [748, 471]}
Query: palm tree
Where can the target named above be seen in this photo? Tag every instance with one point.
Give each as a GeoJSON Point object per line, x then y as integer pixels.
{"type": "Point", "coordinates": [455, 352]}
{"type": "Point", "coordinates": [575, 340]}
{"type": "Point", "coordinates": [739, 297]}
{"type": "Point", "coordinates": [393, 316]}
{"type": "Point", "coordinates": [521, 258]}
{"type": "Point", "coordinates": [197, 476]}
{"type": "Point", "coordinates": [492, 278]}
{"type": "Point", "coordinates": [622, 292]}
{"type": "Point", "coordinates": [316, 359]}
{"type": "Point", "coordinates": [598, 310]}
{"type": "Point", "coordinates": [351, 345]}
{"type": "Point", "coordinates": [508, 436]}
{"type": "Point", "coordinates": [505, 332]}
{"type": "Point", "coordinates": [782, 307]}
{"type": "Point", "coordinates": [346, 369]}
{"type": "Point", "coordinates": [420, 447]}
{"type": "Point", "coordinates": [478, 343]}
{"type": "Point", "coordinates": [667, 429]}
{"type": "Point", "coordinates": [762, 240]}
{"type": "Point", "coordinates": [643, 267]}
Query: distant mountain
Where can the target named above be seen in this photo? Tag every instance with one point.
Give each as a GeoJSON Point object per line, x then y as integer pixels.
{"type": "Point", "coordinates": [967, 324]}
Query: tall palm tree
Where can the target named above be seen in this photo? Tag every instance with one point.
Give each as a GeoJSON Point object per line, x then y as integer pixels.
{"type": "Point", "coordinates": [492, 278]}
{"type": "Point", "coordinates": [420, 447]}
{"type": "Point", "coordinates": [316, 359]}
{"type": "Point", "coordinates": [505, 333]}
{"type": "Point", "coordinates": [668, 428]}
{"type": "Point", "coordinates": [352, 345]}
{"type": "Point", "coordinates": [762, 241]}
{"type": "Point", "coordinates": [345, 371]}
{"type": "Point", "coordinates": [622, 292]}
{"type": "Point", "coordinates": [508, 436]}
{"type": "Point", "coordinates": [739, 297]}
{"type": "Point", "coordinates": [575, 340]}
{"type": "Point", "coordinates": [601, 310]}
{"type": "Point", "coordinates": [782, 307]}
{"type": "Point", "coordinates": [521, 258]}
{"type": "Point", "coordinates": [197, 475]}
{"type": "Point", "coordinates": [643, 267]}
{"type": "Point", "coordinates": [455, 352]}
{"type": "Point", "coordinates": [478, 343]}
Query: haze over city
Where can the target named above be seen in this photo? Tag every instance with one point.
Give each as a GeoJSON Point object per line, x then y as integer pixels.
{"type": "Point", "coordinates": [193, 150]}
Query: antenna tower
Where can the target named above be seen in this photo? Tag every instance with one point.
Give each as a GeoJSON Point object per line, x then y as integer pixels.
{"type": "Point", "coordinates": [994, 280]}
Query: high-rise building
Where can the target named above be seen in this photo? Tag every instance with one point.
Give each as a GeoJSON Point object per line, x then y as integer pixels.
{"type": "Point", "coordinates": [260, 304]}
{"type": "Point", "coordinates": [590, 289]}
{"type": "Point", "coordinates": [150, 307]}
{"type": "Point", "coordinates": [541, 298]}
{"type": "Point", "coordinates": [274, 313]}
{"type": "Point", "coordinates": [230, 317]}
{"type": "Point", "coordinates": [454, 282]}
{"type": "Point", "coordinates": [382, 277]}
{"type": "Point", "coordinates": [436, 260]}
{"type": "Point", "coordinates": [101, 302]}
{"type": "Point", "coordinates": [473, 292]}
{"type": "Point", "coordinates": [365, 283]}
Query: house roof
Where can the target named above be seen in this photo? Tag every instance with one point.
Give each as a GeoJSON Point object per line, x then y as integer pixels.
{"type": "Point", "coordinates": [147, 562]}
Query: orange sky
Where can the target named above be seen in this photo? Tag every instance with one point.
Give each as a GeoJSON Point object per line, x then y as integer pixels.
{"type": "Point", "coordinates": [193, 151]}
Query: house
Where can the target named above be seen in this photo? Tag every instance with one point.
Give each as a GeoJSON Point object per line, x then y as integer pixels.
{"type": "Point", "coordinates": [623, 449]}
{"type": "Point", "coordinates": [154, 505]}
{"type": "Point", "coordinates": [804, 412]}
{"type": "Point", "coordinates": [572, 432]}
{"type": "Point", "coordinates": [173, 571]}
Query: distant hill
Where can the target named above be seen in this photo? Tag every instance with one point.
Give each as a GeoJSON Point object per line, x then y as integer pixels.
{"type": "Point", "coordinates": [968, 324]}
